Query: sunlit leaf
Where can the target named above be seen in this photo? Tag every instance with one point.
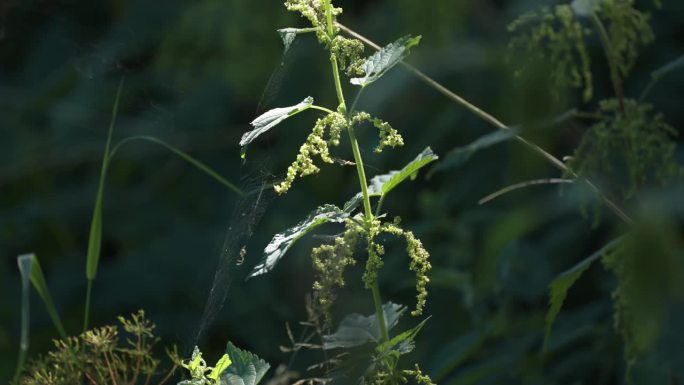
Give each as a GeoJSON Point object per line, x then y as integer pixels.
{"type": "Point", "coordinates": [382, 184]}
{"type": "Point", "coordinates": [356, 329]}
{"type": "Point", "coordinates": [558, 290]}
{"type": "Point", "coordinates": [380, 62]}
{"type": "Point", "coordinates": [246, 368]}
{"type": "Point", "coordinates": [460, 155]}
{"type": "Point", "coordinates": [402, 343]}
{"type": "Point", "coordinates": [270, 119]}
{"type": "Point", "coordinates": [222, 364]}
{"type": "Point", "coordinates": [281, 242]}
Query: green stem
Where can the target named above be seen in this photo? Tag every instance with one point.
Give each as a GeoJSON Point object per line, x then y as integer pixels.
{"type": "Point", "coordinates": [333, 59]}
{"type": "Point", "coordinates": [377, 299]}
{"type": "Point", "coordinates": [315, 107]}
{"type": "Point", "coordinates": [86, 316]}
{"type": "Point", "coordinates": [183, 155]}
{"type": "Point", "coordinates": [610, 57]}
{"type": "Point", "coordinates": [379, 206]}
{"type": "Point", "coordinates": [361, 174]}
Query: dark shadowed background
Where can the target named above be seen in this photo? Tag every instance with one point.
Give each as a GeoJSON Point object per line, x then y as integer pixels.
{"type": "Point", "coordinates": [197, 72]}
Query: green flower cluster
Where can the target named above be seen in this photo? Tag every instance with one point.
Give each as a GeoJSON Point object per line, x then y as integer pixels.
{"type": "Point", "coordinates": [419, 377]}
{"type": "Point", "coordinates": [349, 54]}
{"type": "Point", "coordinates": [558, 35]}
{"type": "Point", "coordinates": [315, 144]}
{"type": "Point", "coordinates": [635, 139]}
{"type": "Point", "coordinates": [555, 34]}
{"type": "Point", "coordinates": [418, 255]}
{"type": "Point", "coordinates": [628, 29]}
{"type": "Point", "coordinates": [389, 137]}
{"type": "Point", "coordinates": [314, 11]}
{"type": "Point", "coordinates": [330, 262]}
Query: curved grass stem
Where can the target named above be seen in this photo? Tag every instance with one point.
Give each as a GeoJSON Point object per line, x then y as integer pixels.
{"type": "Point", "coordinates": [183, 155]}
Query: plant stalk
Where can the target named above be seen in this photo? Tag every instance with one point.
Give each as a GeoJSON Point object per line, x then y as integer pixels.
{"type": "Point", "coordinates": [86, 315]}
{"type": "Point", "coordinates": [610, 57]}
{"type": "Point", "coordinates": [380, 313]}
{"type": "Point", "coordinates": [368, 213]}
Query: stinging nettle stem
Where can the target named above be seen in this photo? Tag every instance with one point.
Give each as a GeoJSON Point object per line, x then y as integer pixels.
{"type": "Point", "coordinates": [368, 213]}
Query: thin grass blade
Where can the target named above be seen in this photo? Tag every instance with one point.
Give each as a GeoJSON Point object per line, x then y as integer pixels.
{"type": "Point", "coordinates": [25, 263]}
{"type": "Point", "coordinates": [38, 281]}
{"type": "Point", "coordinates": [95, 236]}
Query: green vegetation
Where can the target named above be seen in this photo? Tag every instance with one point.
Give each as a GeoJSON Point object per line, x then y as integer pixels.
{"type": "Point", "coordinates": [499, 292]}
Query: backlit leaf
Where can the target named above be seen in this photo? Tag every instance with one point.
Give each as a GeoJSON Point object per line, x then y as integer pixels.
{"type": "Point", "coordinates": [382, 184]}
{"type": "Point", "coordinates": [270, 119]}
{"type": "Point", "coordinates": [380, 62]}
{"type": "Point", "coordinates": [281, 242]}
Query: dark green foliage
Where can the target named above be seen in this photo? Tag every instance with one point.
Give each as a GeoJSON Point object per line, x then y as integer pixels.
{"type": "Point", "coordinates": [558, 289]}
{"type": "Point", "coordinates": [629, 29]}
{"type": "Point", "coordinates": [650, 280]}
{"type": "Point", "coordinates": [554, 34]}
{"type": "Point", "coordinates": [627, 150]}
{"type": "Point", "coordinates": [198, 72]}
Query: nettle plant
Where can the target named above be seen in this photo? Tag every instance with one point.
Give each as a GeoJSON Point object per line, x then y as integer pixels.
{"type": "Point", "coordinates": [363, 225]}
{"type": "Point", "coordinates": [628, 146]}
{"type": "Point", "coordinates": [627, 133]}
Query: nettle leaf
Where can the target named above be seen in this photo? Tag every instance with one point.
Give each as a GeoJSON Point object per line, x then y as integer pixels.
{"type": "Point", "coordinates": [382, 61]}
{"type": "Point", "coordinates": [584, 8]}
{"type": "Point", "coordinates": [356, 329]}
{"type": "Point", "coordinates": [220, 367]}
{"type": "Point", "coordinates": [246, 368]}
{"type": "Point", "coordinates": [281, 242]}
{"type": "Point", "coordinates": [402, 343]}
{"type": "Point", "coordinates": [558, 289]}
{"type": "Point", "coordinates": [382, 184]}
{"type": "Point", "coordinates": [459, 155]}
{"type": "Point", "coordinates": [270, 119]}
